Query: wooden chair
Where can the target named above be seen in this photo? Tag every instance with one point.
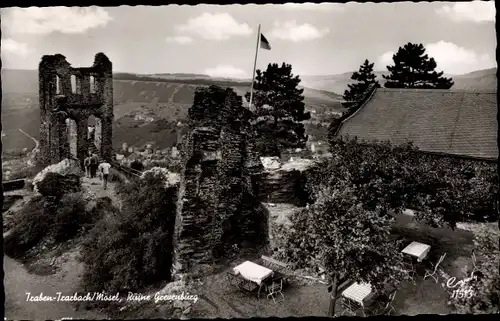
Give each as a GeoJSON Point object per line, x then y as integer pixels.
{"type": "Point", "coordinates": [350, 307]}
{"type": "Point", "coordinates": [274, 290]}
{"type": "Point", "coordinates": [410, 270]}
{"type": "Point", "coordinates": [385, 306]}
{"type": "Point", "coordinates": [433, 274]}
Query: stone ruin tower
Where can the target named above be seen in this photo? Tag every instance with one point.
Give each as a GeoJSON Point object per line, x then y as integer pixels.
{"type": "Point", "coordinates": [217, 200]}
{"type": "Point", "coordinates": [68, 97]}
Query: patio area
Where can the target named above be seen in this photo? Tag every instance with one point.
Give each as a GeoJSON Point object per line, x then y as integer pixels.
{"type": "Point", "coordinates": [217, 298]}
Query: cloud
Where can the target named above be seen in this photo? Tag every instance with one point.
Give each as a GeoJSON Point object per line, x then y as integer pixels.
{"type": "Point", "coordinates": [289, 30]}
{"type": "Point", "coordinates": [183, 40]}
{"type": "Point", "coordinates": [313, 6]}
{"type": "Point", "coordinates": [475, 11]}
{"type": "Point", "coordinates": [11, 46]}
{"type": "Point", "coordinates": [385, 59]}
{"type": "Point", "coordinates": [226, 71]}
{"type": "Point", "coordinates": [450, 58]}
{"type": "Point", "coordinates": [41, 21]}
{"type": "Point", "coordinates": [216, 26]}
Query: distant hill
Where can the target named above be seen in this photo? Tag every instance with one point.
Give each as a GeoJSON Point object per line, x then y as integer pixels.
{"type": "Point", "coordinates": [476, 80]}
{"type": "Point", "coordinates": [147, 107]}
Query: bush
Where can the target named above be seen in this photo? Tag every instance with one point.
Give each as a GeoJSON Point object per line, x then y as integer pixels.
{"type": "Point", "coordinates": [172, 164]}
{"type": "Point", "coordinates": [30, 225]}
{"type": "Point", "coordinates": [116, 177]}
{"type": "Point", "coordinates": [70, 217]}
{"type": "Point", "coordinates": [485, 287]}
{"type": "Point", "coordinates": [133, 250]}
{"type": "Point", "coordinates": [48, 218]}
{"type": "Point", "coordinates": [56, 185]}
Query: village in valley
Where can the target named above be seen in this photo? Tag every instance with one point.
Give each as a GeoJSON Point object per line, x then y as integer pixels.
{"type": "Point", "coordinates": [233, 194]}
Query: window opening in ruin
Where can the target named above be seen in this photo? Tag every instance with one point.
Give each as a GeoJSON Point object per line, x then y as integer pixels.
{"type": "Point", "coordinates": [73, 84]}
{"type": "Point", "coordinates": [58, 85]}
{"type": "Point", "coordinates": [92, 85]}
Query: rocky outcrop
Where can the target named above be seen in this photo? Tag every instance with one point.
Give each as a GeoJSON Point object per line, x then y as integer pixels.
{"type": "Point", "coordinates": [65, 168]}
{"type": "Point", "coordinates": [217, 204]}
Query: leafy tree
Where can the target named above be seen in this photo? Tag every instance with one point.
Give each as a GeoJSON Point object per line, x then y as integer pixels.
{"type": "Point", "coordinates": [414, 69]}
{"type": "Point", "coordinates": [280, 110]}
{"type": "Point", "coordinates": [337, 234]}
{"type": "Point", "coordinates": [481, 295]}
{"type": "Point", "coordinates": [363, 77]}
{"type": "Point", "coordinates": [444, 190]}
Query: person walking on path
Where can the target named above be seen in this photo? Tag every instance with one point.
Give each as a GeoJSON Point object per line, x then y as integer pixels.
{"type": "Point", "coordinates": [104, 171]}
{"type": "Point", "coordinates": [94, 162]}
{"type": "Point", "coordinates": [86, 164]}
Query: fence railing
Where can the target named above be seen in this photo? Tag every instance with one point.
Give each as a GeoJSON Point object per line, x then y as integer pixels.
{"type": "Point", "coordinates": [130, 172]}
{"type": "Point", "coordinates": [13, 185]}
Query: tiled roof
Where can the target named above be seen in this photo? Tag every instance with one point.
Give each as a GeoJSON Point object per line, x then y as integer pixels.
{"type": "Point", "coordinates": [460, 123]}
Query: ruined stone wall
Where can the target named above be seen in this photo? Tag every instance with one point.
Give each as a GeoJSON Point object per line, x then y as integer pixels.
{"type": "Point", "coordinates": [59, 101]}
{"type": "Point", "coordinates": [217, 204]}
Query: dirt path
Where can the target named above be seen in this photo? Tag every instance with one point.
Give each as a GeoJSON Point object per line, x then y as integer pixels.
{"type": "Point", "coordinates": [95, 185]}
{"type": "Point", "coordinates": [18, 282]}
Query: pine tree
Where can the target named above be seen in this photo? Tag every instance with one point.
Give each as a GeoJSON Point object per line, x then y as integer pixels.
{"type": "Point", "coordinates": [414, 69]}
{"type": "Point", "coordinates": [363, 77]}
{"type": "Point", "coordinates": [279, 110]}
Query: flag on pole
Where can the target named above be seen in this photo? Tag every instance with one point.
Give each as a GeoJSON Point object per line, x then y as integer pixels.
{"type": "Point", "coordinates": [264, 44]}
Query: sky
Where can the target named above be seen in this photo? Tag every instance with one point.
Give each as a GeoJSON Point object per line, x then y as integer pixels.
{"type": "Point", "coordinates": [316, 39]}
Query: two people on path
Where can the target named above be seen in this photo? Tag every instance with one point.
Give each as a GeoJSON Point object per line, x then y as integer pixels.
{"type": "Point", "coordinates": [104, 172]}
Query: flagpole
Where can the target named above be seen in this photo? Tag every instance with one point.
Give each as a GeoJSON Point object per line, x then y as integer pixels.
{"type": "Point", "coordinates": [254, 66]}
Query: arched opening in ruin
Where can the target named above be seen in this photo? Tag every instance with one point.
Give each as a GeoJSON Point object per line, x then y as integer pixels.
{"type": "Point", "coordinates": [94, 134]}
{"type": "Point", "coordinates": [72, 135]}
{"type": "Point", "coordinates": [73, 84]}
{"type": "Point", "coordinates": [92, 85]}
{"type": "Point", "coordinates": [58, 85]}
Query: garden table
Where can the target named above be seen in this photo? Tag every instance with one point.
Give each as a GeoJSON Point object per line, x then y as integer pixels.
{"type": "Point", "coordinates": [418, 250]}
{"type": "Point", "coordinates": [358, 292]}
{"type": "Point", "coordinates": [254, 273]}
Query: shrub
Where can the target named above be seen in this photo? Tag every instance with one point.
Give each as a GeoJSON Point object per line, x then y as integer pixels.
{"type": "Point", "coordinates": [70, 217]}
{"type": "Point", "coordinates": [133, 250]}
{"type": "Point", "coordinates": [48, 218]}
{"type": "Point", "coordinates": [116, 177]}
{"type": "Point", "coordinates": [57, 185]}
{"type": "Point", "coordinates": [484, 288]}
{"type": "Point", "coordinates": [30, 226]}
